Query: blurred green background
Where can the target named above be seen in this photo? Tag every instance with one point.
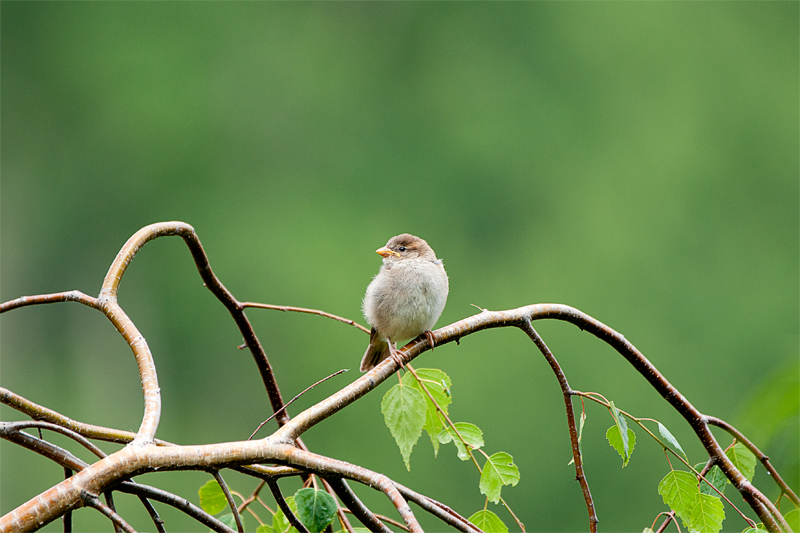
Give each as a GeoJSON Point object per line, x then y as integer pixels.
{"type": "Point", "coordinates": [638, 161]}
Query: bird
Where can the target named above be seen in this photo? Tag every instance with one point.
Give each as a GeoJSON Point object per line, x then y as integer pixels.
{"type": "Point", "coordinates": [405, 299]}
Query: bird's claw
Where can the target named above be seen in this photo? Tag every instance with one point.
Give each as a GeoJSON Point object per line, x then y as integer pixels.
{"type": "Point", "coordinates": [395, 354]}
{"type": "Point", "coordinates": [429, 335]}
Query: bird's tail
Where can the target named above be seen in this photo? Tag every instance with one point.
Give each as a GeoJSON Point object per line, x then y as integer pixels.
{"type": "Point", "coordinates": [377, 351]}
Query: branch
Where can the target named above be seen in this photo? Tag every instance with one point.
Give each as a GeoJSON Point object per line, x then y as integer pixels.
{"type": "Point", "coordinates": [785, 489]}
{"type": "Point", "coordinates": [284, 506]}
{"type": "Point", "coordinates": [229, 497]}
{"type": "Point", "coordinates": [284, 447]}
{"type": "Point", "coordinates": [566, 392]}
{"type": "Point", "coordinates": [304, 310]}
{"type": "Point", "coordinates": [39, 412]}
{"type": "Point", "coordinates": [90, 500]}
{"type": "Point", "coordinates": [359, 510]}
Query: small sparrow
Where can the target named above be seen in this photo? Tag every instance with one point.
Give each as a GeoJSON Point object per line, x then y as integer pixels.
{"type": "Point", "coordinates": [405, 299]}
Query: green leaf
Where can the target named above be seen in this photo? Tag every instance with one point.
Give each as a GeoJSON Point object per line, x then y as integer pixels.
{"type": "Point", "coordinates": [280, 524]}
{"type": "Point", "coordinates": [499, 470]}
{"type": "Point", "coordinates": [715, 476]}
{"type": "Point", "coordinates": [212, 499]}
{"type": "Point", "coordinates": [488, 522]}
{"type": "Point", "coordinates": [264, 528]}
{"type": "Point", "coordinates": [580, 436]}
{"type": "Point", "coordinates": [743, 459]}
{"type": "Point", "coordinates": [707, 515]}
{"type": "Point", "coordinates": [228, 520]}
{"type": "Point", "coordinates": [793, 519]}
{"type": "Point", "coordinates": [614, 439]}
{"type": "Point", "coordinates": [647, 530]}
{"type": "Point", "coordinates": [315, 508]}
{"type": "Point", "coordinates": [620, 422]}
{"type": "Point", "coordinates": [662, 429]}
{"type": "Point", "coordinates": [471, 434]}
{"type": "Point", "coordinates": [403, 409]}
{"type": "Point", "coordinates": [679, 491]}
{"type": "Point", "coordinates": [438, 384]}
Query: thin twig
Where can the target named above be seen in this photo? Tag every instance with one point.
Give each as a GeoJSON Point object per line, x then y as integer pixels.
{"type": "Point", "coordinates": [68, 296]}
{"type": "Point", "coordinates": [438, 509]}
{"type": "Point", "coordinates": [110, 502]}
{"type": "Point", "coordinates": [343, 521]}
{"type": "Point", "coordinates": [39, 412]}
{"type": "Point", "coordinates": [67, 518]}
{"type": "Point", "coordinates": [178, 502]}
{"type": "Point", "coordinates": [293, 399]}
{"type": "Point", "coordinates": [355, 506]}
{"type": "Point", "coordinates": [670, 518]}
{"type": "Point", "coordinates": [701, 475]}
{"type": "Point", "coordinates": [19, 426]}
{"type": "Point", "coordinates": [229, 497]}
{"type": "Point", "coordinates": [284, 506]}
{"type": "Point", "coordinates": [304, 310]}
{"type": "Point", "coordinates": [735, 433]}
{"type": "Point", "coordinates": [157, 520]}
{"type": "Point", "coordinates": [90, 500]}
{"type": "Point", "coordinates": [566, 391]}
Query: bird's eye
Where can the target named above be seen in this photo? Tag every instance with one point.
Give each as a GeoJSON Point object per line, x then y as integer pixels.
{"type": "Point", "coordinates": [402, 248]}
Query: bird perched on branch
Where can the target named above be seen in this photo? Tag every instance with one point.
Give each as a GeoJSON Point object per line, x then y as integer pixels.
{"type": "Point", "coordinates": [405, 299]}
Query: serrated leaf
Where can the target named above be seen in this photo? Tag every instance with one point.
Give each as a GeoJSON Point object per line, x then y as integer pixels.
{"type": "Point", "coordinates": [499, 470]}
{"type": "Point", "coordinates": [670, 438]}
{"type": "Point", "coordinates": [264, 528]}
{"type": "Point", "coordinates": [614, 439]}
{"type": "Point", "coordinates": [212, 499]}
{"type": "Point", "coordinates": [471, 434]}
{"type": "Point", "coordinates": [743, 459]}
{"type": "Point", "coordinates": [707, 515]}
{"type": "Point", "coordinates": [403, 409]}
{"type": "Point", "coordinates": [793, 519]}
{"type": "Point", "coordinates": [438, 384]}
{"type": "Point", "coordinates": [620, 422]}
{"type": "Point", "coordinates": [315, 508]}
{"type": "Point", "coordinates": [679, 491]}
{"type": "Point", "coordinates": [488, 522]}
{"type": "Point", "coordinates": [715, 476]}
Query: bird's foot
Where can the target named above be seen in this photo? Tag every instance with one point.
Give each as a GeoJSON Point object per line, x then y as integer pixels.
{"type": "Point", "coordinates": [395, 354]}
{"type": "Point", "coordinates": [429, 335]}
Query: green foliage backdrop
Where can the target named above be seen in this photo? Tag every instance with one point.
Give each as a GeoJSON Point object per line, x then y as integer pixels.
{"type": "Point", "coordinates": [638, 161]}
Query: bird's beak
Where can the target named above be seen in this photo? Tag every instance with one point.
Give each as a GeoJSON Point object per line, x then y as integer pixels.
{"type": "Point", "coordinates": [385, 252]}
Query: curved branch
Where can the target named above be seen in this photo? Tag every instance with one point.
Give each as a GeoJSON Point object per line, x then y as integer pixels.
{"type": "Point", "coordinates": [566, 392]}
{"type": "Point", "coordinates": [107, 304]}
{"type": "Point", "coordinates": [438, 509]}
{"type": "Point", "coordinates": [8, 427]}
{"type": "Point", "coordinates": [69, 296]}
{"type": "Point", "coordinates": [735, 433]}
{"type": "Point", "coordinates": [90, 500]}
{"type": "Point", "coordinates": [284, 506]}
{"type": "Point", "coordinates": [282, 446]}
{"type": "Point", "coordinates": [182, 504]}
{"type": "Point", "coordinates": [229, 497]}
{"type": "Point", "coordinates": [359, 510]}
{"type": "Point", "coordinates": [39, 412]}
